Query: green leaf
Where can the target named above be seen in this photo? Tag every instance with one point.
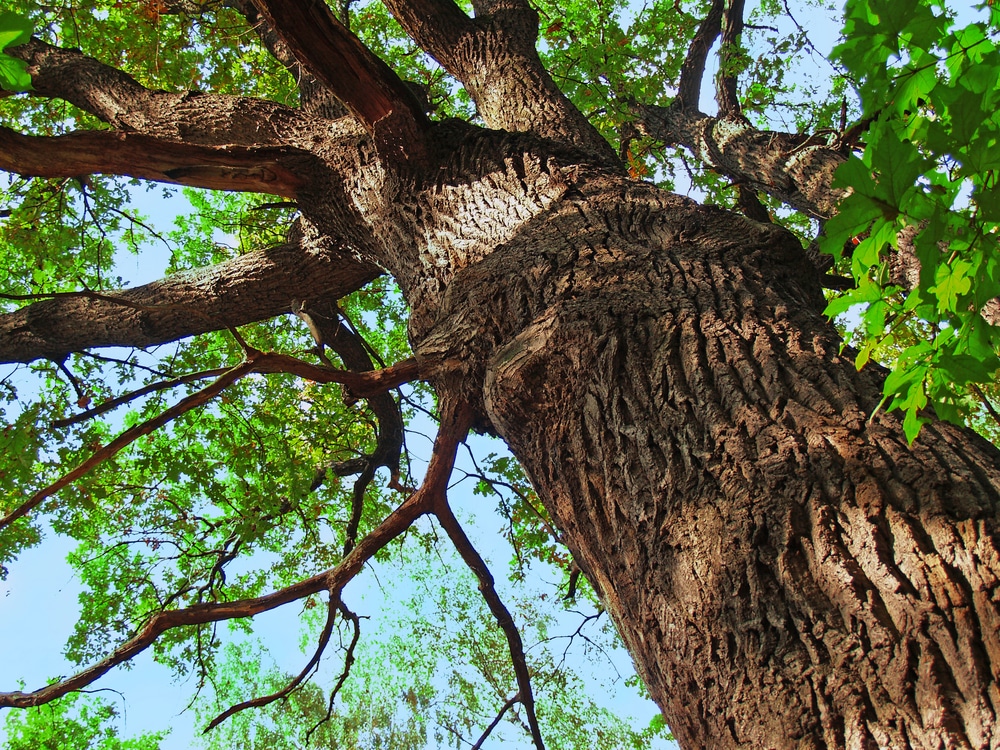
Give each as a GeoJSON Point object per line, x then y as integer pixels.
{"type": "Point", "coordinates": [14, 30]}
{"type": "Point", "coordinates": [912, 423]}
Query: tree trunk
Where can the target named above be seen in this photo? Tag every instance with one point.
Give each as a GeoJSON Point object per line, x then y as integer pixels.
{"type": "Point", "coordinates": [785, 571]}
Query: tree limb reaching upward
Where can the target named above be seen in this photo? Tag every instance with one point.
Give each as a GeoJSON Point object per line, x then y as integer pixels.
{"type": "Point", "coordinates": [365, 84]}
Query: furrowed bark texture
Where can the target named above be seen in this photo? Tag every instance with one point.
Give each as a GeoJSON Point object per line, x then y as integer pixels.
{"type": "Point", "coordinates": [252, 287]}
{"type": "Point", "coordinates": [785, 572]}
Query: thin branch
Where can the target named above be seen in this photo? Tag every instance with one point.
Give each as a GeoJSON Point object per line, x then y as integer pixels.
{"type": "Point", "coordinates": [125, 398]}
{"type": "Point", "coordinates": [129, 436]}
{"type": "Point", "coordinates": [327, 325]}
{"type": "Point", "coordinates": [332, 580]}
{"type": "Point", "coordinates": [361, 384]}
{"type": "Point", "coordinates": [493, 725]}
{"type": "Point", "coordinates": [987, 404]}
{"type": "Point", "coordinates": [487, 587]}
{"type": "Point", "coordinates": [311, 665]}
{"type": "Point", "coordinates": [260, 170]}
{"type": "Point", "coordinates": [348, 663]}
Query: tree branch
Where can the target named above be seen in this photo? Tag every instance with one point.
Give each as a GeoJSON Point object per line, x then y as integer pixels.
{"type": "Point", "coordinates": [693, 67]}
{"type": "Point", "coordinates": [121, 101]}
{"type": "Point", "coordinates": [508, 704]}
{"type": "Point", "coordinates": [487, 587]}
{"type": "Point", "coordinates": [314, 97]}
{"type": "Point", "coordinates": [348, 663]}
{"type": "Point", "coordinates": [259, 170]}
{"type": "Point", "coordinates": [332, 580]}
{"type": "Point", "coordinates": [455, 426]}
{"type": "Point", "coordinates": [329, 327]}
{"type": "Point", "coordinates": [362, 384]}
{"type": "Point", "coordinates": [795, 169]}
{"type": "Point", "coordinates": [726, 94]}
{"type": "Point", "coordinates": [128, 437]}
{"type": "Point", "coordinates": [494, 55]}
{"type": "Point", "coordinates": [263, 700]}
{"type": "Point", "coordinates": [252, 287]}
{"type": "Point", "coordinates": [365, 84]}
{"type": "Point", "coordinates": [114, 403]}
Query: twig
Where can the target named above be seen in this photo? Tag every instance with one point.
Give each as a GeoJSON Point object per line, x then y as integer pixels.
{"type": "Point", "coordinates": [310, 666]}
{"type": "Point", "coordinates": [145, 391]}
{"type": "Point", "coordinates": [348, 663]}
{"type": "Point", "coordinates": [506, 707]}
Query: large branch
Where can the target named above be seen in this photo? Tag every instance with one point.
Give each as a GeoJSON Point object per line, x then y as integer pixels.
{"type": "Point", "coordinates": [121, 101]}
{"type": "Point", "coordinates": [360, 79]}
{"type": "Point", "coordinates": [796, 169]}
{"type": "Point", "coordinates": [693, 67]}
{"type": "Point", "coordinates": [314, 97]}
{"type": "Point", "coordinates": [252, 287]}
{"type": "Point", "coordinates": [494, 55]}
{"type": "Point", "coordinates": [260, 170]}
{"type": "Point", "coordinates": [726, 92]}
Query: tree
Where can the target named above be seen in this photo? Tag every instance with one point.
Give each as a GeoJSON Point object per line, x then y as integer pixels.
{"type": "Point", "coordinates": [782, 565]}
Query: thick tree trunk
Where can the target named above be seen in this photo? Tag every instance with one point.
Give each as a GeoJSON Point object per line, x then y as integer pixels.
{"type": "Point", "coordinates": [785, 571]}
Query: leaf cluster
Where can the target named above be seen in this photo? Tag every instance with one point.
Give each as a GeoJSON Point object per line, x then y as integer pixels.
{"type": "Point", "coordinates": [920, 224]}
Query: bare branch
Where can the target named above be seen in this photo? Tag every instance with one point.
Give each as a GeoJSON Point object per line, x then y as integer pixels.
{"type": "Point", "coordinates": [252, 287]}
{"type": "Point", "coordinates": [365, 84]}
{"type": "Point", "coordinates": [348, 663]}
{"type": "Point", "coordinates": [314, 97]}
{"type": "Point", "coordinates": [796, 169]}
{"type": "Point", "coordinates": [332, 580]}
{"type": "Point", "coordinates": [260, 170]}
{"type": "Point", "coordinates": [329, 327]}
{"type": "Point", "coordinates": [363, 384]}
{"type": "Point", "coordinates": [455, 426]}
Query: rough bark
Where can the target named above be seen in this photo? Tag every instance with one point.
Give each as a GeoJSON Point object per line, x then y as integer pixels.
{"type": "Point", "coordinates": [252, 287]}
{"type": "Point", "coordinates": [796, 169]}
{"type": "Point", "coordinates": [785, 572]}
